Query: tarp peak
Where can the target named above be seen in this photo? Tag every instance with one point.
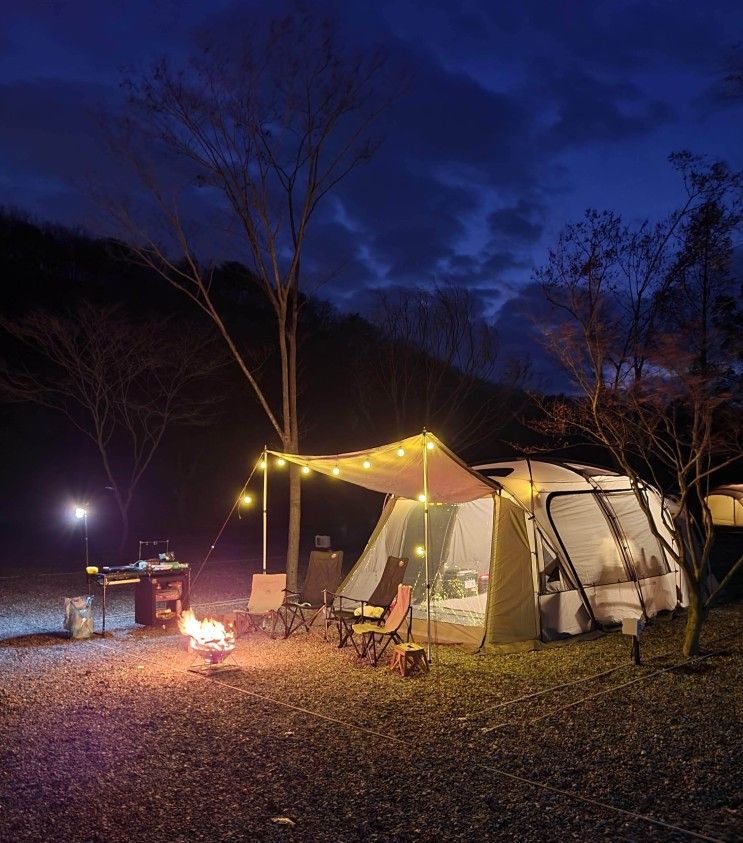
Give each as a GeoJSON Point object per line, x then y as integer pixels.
{"type": "Point", "coordinates": [397, 469]}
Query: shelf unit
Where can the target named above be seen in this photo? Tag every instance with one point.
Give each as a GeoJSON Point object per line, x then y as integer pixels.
{"type": "Point", "coordinates": [160, 598]}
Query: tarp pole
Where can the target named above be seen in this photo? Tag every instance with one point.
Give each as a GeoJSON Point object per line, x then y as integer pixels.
{"type": "Point", "coordinates": [425, 539]}
{"type": "Point", "coordinates": [265, 504]}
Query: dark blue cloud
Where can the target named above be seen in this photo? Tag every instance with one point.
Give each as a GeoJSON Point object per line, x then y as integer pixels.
{"type": "Point", "coordinates": [50, 147]}
{"type": "Point", "coordinates": [590, 110]}
{"type": "Point", "coordinates": [520, 222]}
{"type": "Point", "coordinates": [481, 160]}
{"type": "Point", "coordinates": [519, 327]}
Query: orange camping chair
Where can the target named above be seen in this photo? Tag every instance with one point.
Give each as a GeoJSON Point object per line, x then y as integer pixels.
{"type": "Point", "coordinates": [372, 635]}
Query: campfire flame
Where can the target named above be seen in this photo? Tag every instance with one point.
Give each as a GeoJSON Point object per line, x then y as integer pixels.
{"type": "Point", "coordinates": [208, 637]}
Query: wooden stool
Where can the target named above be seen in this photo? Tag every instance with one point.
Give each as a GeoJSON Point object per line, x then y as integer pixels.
{"type": "Point", "coordinates": [409, 658]}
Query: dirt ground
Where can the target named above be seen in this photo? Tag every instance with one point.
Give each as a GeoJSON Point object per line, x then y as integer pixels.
{"type": "Point", "coordinates": [114, 740]}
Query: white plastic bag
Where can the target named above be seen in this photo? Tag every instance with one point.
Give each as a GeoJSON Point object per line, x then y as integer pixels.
{"type": "Point", "coordinates": [78, 616]}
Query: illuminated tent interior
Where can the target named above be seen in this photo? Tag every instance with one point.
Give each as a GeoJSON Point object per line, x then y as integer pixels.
{"type": "Point", "coordinates": [519, 553]}
{"type": "Point", "coordinates": [726, 505]}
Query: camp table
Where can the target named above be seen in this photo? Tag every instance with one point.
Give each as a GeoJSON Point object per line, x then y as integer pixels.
{"type": "Point", "coordinates": [131, 575]}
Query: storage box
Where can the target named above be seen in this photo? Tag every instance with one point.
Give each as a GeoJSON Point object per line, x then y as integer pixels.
{"type": "Point", "coordinates": [459, 582]}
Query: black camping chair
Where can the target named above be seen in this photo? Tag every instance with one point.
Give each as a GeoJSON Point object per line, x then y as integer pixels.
{"type": "Point", "coordinates": [347, 610]}
{"type": "Point", "coordinates": [301, 608]}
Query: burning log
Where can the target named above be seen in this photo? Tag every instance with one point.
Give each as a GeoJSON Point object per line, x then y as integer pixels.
{"type": "Point", "coordinates": [209, 638]}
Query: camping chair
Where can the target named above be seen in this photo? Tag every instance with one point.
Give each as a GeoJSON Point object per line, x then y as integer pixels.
{"type": "Point", "coordinates": [348, 610]}
{"type": "Point", "coordinates": [301, 608]}
{"type": "Point", "coordinates": [370, 632]}
{"type": "Point", "coordinates": [266, 596]}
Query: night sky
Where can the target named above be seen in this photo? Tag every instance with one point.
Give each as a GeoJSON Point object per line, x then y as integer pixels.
{"type": "Point", "coordinates": [518, 116]}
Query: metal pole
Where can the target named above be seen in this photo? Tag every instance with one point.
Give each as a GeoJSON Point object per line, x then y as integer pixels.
{"type": "Point", "coordinates": [265, 503]}
{"type": "Point", "coordinates": [426, 539]}
{"type": "Point", "coordinates": [85, 527]}
{"type": "Point", "coordinates": [105, 587]}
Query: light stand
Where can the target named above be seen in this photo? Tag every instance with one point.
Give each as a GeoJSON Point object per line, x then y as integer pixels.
{"type": "Point", "coordinates": [82, 512]}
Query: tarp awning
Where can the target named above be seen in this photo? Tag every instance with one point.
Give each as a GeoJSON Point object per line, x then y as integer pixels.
{"type": "Point", "coordinates": [397, 469]}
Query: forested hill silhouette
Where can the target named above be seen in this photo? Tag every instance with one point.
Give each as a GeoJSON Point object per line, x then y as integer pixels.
{"type": "Point", "coordinates": [197, 472]}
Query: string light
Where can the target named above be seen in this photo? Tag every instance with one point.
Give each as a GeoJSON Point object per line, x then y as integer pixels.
{"type": "Point", "coordinates": [366, 464]}
{"type": "Point", "coordinates": [400, 451]}
{"type": "Point", "coordinates": [262, 465]}
{"type": "Point", "coordinates": [430, 445]}
{"type": "Point", "coordinates": [422, 498]}
{"type": "Point", "coordinates": [281, 462]}
{"type": "Point", "coordinates": [336, 470]}
{"type": "Point", "coordinates": [247, 500]}
{"type": "Point", "coordinates": [305, 469]}
{"type": "Point", "coordinates": [420, 550]}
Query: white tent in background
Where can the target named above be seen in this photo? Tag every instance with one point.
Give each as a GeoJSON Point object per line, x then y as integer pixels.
{"type": "Point", "coordinates": [726, 505]}
{"type": "Point", "coordinates": [513, 553]}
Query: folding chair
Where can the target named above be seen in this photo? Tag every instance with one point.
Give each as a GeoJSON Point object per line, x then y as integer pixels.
{"type": "Point", "coordinates": [347, 610]}
{"type": "Point", "coordinates": [266, 596]}
{"type": "Point", "coordinates": [370, 632]}
{"type": "Point", "coordinates": [301, 608]}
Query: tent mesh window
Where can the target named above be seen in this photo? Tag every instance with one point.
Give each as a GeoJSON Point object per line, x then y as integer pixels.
{"type": "Point", "coordinates": [439, 519]}
{"type": "Point", "coordinates": [459, 553]}
{"type": "Point", "coordinates": [553, 578]}
{"type": "Point", "coordinates": [644, 549]}
{"type": "Point", "coordinates": [587, 538]}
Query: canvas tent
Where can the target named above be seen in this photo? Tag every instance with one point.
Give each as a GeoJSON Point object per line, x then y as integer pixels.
{"type": "Point", "coordinates": [510, 554]}
{"type": "Point", "coordinates": [726, 506]}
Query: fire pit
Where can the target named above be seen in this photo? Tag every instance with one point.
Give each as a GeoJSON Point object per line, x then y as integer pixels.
{"type": "Point", "coordinates": [210, 640]}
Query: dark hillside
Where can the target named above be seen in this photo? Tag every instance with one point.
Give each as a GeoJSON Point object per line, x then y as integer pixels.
{"type": "Point", "coordinates": [197, 472]}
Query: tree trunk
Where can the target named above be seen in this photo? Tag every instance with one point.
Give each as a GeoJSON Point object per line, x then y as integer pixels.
{"type": "Point", "coordinates": [295, 511]}
{"type": "Point", "coordinates": [124, 513]}
{"type": "Point", "coordinates": [694, 621]}
{"type": "Point", "coordinates": [291, 419]}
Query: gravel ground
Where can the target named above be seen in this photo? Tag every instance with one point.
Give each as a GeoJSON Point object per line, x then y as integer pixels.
{"type": "Point", "coordinates": [114, 740]}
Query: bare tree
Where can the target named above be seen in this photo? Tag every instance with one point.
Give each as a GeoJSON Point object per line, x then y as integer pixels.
{"type": "Point", "coordinates": [268, 131]}
{"type": "Point", "coordinates": [120, 384]}
{"type": "Point", "coordinates": [644, 334]}
{"type": "Point", "coordinates": [434, 356]}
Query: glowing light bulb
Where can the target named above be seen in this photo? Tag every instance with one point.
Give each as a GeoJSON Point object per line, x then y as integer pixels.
{"type": "Point", "coordinates": [420, 550]}
{"type": "Point", "coordinates": [400, 452]}
{"type": "Point", "coordinates": [281, 462]}
{"type": "Point", "coordinates": [262, 465]}
{"type": "Point", "coordinates": [430, 445]}
{"type": "Point", "coordinates": [422, 498]}
{"type": "Point", "coordinates": [305, 469]}
{"type": "Point", "coordinates": [80, 512]}
{"type": "Point", "coordinates": [366, 464]}
{"type": "Point", "coordinates": [336, 470]}
{"type": "Point", "coordinates": [247, 500]}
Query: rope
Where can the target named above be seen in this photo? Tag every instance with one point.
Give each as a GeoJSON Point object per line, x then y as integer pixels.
{"type": "Point", "coordinates": [623, 685]}
{"type": "Point", "coordinates": [598, 804]}
{"type": "Point", "coordinates": [543, 691]}
{"type": "Point", "coordinates": [226, 521]}
{"type": "Point", "coordinates": [584, 679]}
{"type": "Point", "coordinates": [316, 714]}
{"type": "Point", "coordinates": [497, 770]}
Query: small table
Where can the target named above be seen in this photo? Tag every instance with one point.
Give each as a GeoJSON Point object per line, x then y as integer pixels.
{"type": "Point", "coordinates": [409, 658]}
{"type": "Point", "coordinates": [132, 575]}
